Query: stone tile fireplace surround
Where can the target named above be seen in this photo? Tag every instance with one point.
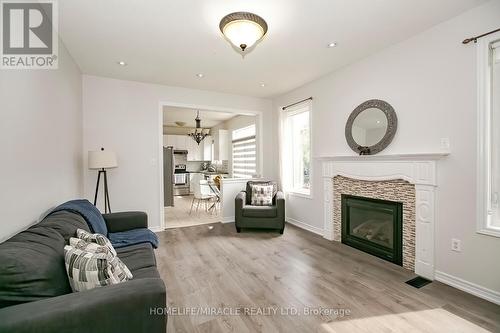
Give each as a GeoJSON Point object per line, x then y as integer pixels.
{"type": "Point", "coordinates": [391, 190]}
{"type": "Point", "coordinates": [410, 179]}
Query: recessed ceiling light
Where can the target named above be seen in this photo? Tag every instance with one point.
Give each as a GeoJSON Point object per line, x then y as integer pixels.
{"type": "Point", "coordinates": [122, 63]}
{"type": "Point", "coordinates": [262, 85]}
{"type": "Point", "coordinates": [200, 75]}
{"type": "Point", "coordinates": [332, 44]}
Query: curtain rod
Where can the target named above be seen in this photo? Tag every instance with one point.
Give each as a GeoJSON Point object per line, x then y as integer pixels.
{"type": "Point", "coordinates": [474, 39]}
{"type": "Point", "coordinates": [305, 99]}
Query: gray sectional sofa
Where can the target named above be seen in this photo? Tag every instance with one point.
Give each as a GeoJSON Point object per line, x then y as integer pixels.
{"type": "Point", "coordinates": [35, 295]}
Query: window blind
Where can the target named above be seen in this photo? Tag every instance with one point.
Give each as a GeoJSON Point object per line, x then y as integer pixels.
{"type": "Point", "coordinates": [244, 157]}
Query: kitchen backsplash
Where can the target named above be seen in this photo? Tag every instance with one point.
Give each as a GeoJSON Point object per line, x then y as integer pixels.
{"type": "Point", "coordinates": [221, 166]}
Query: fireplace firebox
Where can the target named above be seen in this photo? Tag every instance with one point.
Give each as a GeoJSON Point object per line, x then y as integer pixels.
{"type": "Point", "coordinates": [373, 226]}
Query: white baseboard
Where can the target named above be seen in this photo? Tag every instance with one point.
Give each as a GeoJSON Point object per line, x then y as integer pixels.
{"type": "Point", "coordinates": [468, 287]}
{"type": "Point", "coordinates": [156, 229]}
{"type": "Point", "coordinates": [228, 219]}
{"type": "Point", "coordinates": [305, 226]}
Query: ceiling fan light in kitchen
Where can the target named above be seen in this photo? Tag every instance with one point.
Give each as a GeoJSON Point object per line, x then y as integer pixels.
{"type": "Point", "coordinates": [243, 29]}
{"type": "Point", "coordinates": [198, 134]}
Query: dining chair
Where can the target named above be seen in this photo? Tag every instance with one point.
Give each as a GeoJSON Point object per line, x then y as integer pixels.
{"type": "Point", "coordinates": [202, 194]}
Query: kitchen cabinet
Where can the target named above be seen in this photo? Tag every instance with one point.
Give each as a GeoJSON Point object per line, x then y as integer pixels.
{"type": "Point", "coordinates": [221, 145]}
{"type": "Point", "coordinates": [168, 140]}
{"type": "Point", "coordinates": [201, 152]}
{"type": "Point", "coordinates": [177, 141]}
{"type": "Point", "coordinates": [194, 150]}
{"type": "Point", "coordinates": [207, 148]}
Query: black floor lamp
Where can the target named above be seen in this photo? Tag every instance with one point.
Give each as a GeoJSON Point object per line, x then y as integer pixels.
{"type": "Point", "coordinates": [102, 160]}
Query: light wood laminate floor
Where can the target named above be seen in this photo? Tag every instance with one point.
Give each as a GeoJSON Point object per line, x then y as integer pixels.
{"type": "Point", "coordinates": [179, 216]}
{"type": "Point", "coordinates": [254, 272]}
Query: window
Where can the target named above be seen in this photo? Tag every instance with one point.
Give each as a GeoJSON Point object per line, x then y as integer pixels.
{"type": "Point", "coordinates": [489, 135]}
{"type": "Point", "coordinates": [244, 152]}
{"type": "Point", "coordinates": [296, 143]}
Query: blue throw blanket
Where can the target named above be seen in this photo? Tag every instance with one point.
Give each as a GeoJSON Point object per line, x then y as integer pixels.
{"type": "Point", "coordinates": [96, 223]}
{"type": "Point", "coordinates": [134, 236]}
{"type": "Point", "coordinates": [88, 211]}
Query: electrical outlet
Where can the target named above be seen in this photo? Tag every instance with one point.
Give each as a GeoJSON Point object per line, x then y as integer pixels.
{"type": "Point", "coordinates": [456, 245]}
{"type": "Point", "coordinates": [445, 143]}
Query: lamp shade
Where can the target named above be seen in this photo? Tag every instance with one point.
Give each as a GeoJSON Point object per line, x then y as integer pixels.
{"type": "Point", "coordinates": [243, 29]}
{"type": "Point", "coordinates": [102, 159]}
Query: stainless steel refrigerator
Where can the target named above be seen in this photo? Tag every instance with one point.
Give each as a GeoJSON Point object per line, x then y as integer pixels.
{"type": "Point", "coordinates": [168, 176]}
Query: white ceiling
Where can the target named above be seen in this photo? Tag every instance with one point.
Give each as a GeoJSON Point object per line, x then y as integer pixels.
{"type": "Point", "coordinates": [209, 119]}
{"type": "Point", "coordinates": [170, 41]}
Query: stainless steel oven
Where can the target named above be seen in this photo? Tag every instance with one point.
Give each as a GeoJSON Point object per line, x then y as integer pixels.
{"type": "Point", "coordinates": [181, 180]}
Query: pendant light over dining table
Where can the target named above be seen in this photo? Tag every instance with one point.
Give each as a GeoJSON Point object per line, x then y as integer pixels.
{"type": "Point", "coordinates": [198, 134]}
{"type": "Point", "coordinates": [243, 29]}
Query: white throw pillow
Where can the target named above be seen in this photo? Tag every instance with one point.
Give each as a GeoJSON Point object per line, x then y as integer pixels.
{"type": "Point", "coordinates": [262, 195]}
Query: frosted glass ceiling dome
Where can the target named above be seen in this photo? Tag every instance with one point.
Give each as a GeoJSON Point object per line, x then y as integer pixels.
{"type": "Point", "coordinates": [243, 29]}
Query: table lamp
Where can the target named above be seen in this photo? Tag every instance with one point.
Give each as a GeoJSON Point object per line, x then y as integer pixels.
{"type": "Point", "coordinates": [102, 160]}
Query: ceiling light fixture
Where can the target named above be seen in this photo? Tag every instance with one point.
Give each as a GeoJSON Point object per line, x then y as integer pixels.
{"type": "Point", "coordinates": [262, 85]}
{"type": "Point", "coordinates": [198, 136]}
{"type": "Point", "coordinates": [200, 75]}
{"type": "Point", "coordinates": [332, 44]}
{"type": "Point", "coordinates": [243, 29]}
{"type": "Point", "coordinates": [122, 63]}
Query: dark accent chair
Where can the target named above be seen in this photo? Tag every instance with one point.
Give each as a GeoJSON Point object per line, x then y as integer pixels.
{"type": "Point", "coordinates": [35, 295]}
{"type": "Point", "coordinates": [260, 217]}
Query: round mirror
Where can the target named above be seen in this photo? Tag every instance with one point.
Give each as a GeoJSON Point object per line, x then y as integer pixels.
{"type": "Point", "coordinates": [371, 127]}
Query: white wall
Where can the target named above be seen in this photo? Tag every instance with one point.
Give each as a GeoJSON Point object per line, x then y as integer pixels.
{"type": "Point", "coordinates": [41, 135]}
{"type": "Point", "coordinates": [430, 80]}
{"type": "Point", "coordinates": [126, 117]}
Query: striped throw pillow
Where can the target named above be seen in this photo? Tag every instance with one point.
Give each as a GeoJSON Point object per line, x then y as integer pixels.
{"type": "Point", "coordinates": [87, 270]}
{"type": "Point", "coordinates": [120, 270]}
{"type": "Point", "coordinates": [95, 238]}
{"type": "Point", "coordinates": [262, 195]}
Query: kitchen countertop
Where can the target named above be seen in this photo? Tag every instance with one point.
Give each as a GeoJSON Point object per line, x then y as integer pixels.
{"type": "Point", "coordinates": [210, 172]}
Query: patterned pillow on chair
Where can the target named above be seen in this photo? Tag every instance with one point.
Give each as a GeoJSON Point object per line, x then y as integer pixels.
{"type": "Point", "coordinates": [262, 195]}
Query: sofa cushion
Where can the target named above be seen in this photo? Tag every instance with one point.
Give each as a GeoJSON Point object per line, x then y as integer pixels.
{"type": "Point", "coordinates": [32, 266]}
{"type": "Point", "coordinates": [146, 273]}
{"type": "Point", "coordinates": [137, 256]}
{"type": "Point", "coordinates": [259, 182]}
{"type": "Point", "coordinates": [65, 222]}
{"type": "Point", "coordinates": [260, 211]}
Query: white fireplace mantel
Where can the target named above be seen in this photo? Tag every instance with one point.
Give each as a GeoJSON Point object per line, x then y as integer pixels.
{"type": "Point", "coordinates": [418, 169]}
